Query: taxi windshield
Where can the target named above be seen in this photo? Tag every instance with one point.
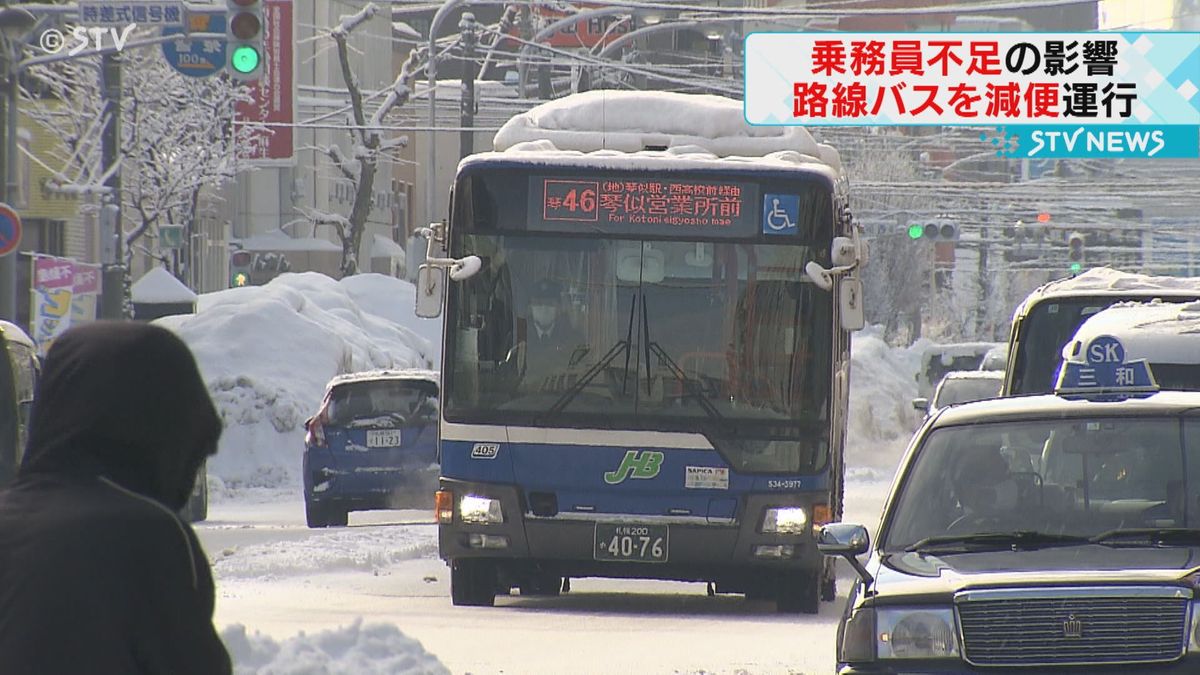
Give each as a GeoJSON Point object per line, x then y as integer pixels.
{"type": "Point", "coordinates": [1077, 477]}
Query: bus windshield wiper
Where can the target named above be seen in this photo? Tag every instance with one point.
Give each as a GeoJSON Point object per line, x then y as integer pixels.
{"type": "Point", "coordinates": [570, 394]}
{"type": "Point", "coordinates": [991, 541]}
{"type": "Point", "coordinates": [687, 382]}
{"type": "Point", "coordinates": [1149, 536]}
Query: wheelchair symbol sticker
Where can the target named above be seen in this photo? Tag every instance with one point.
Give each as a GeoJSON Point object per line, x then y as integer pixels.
{"type": "Point", "coordinates": [781, 213]}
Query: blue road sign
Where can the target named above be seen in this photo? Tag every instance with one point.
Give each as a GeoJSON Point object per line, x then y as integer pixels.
{"type": "Point", "coordinates": [197, 57]}
{"type": "Point", "coordinates": [10, 230]}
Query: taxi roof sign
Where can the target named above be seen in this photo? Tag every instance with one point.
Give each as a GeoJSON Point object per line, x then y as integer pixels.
{"type": "Point", "coordinates": [1105, 374]}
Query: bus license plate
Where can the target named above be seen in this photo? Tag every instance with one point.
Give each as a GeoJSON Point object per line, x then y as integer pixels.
{"type": "Point", "coordinates": [383, 439]}
{"type": "Point", "coordinates": [641, 543]}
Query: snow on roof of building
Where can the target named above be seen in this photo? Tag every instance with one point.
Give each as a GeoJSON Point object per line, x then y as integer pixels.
{"type": "Point", "coordinates": [277, 240]}
{"type": "Point", "coordinates": [160, 286]}
{"type": "Point", "coordinates": [635, 121]}
{"type": "Point", "coordinates": [1161, 332]}
{"type": "Point", "coordinates": [13, 333]}
{"type": "Point", "coordinates": [401, 374]}
{"type": "Point", "coordinates": [383, 247]}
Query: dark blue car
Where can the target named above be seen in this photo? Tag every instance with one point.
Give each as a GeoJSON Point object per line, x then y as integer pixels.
{"type": "Point", "coordinates": [372, 445]}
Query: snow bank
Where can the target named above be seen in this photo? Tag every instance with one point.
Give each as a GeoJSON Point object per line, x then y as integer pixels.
{"type": "Point", "coordinates": [371, 649]}
{"type": "Point", "coordinates": [882, 386]}
{"type": "Point", "coordinates": [354, 549]}
{"type": "Point", "coordinates": [325, 328]}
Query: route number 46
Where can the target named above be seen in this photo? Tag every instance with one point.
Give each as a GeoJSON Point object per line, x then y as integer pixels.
{"type": "Point", "coordinates": [627, 547]}
{"type": "Point", "coordinates": [580, 200]}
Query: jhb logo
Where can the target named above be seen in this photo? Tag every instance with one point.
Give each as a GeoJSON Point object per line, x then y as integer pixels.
{"type": "Point", "coordinates": [645, 464]}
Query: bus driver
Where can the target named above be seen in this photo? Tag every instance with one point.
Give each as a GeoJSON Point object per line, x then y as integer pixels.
{"type": "Point", "coordinates": [551, 339]}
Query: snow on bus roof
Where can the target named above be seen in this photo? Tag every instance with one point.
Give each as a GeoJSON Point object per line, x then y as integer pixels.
{"type": "Point", "coordinates": [633, 121]}
{"type": "Point", "coordinates": [1161, 332]}
{"type": "Point", "coordinates": [544, 153]}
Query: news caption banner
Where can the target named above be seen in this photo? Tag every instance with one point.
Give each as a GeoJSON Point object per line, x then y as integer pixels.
{"type": "Point", "coordinates": [1049, 95]}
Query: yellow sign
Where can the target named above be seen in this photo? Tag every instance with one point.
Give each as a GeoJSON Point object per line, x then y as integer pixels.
{"type": "Point", "coordinates": [41, 201]}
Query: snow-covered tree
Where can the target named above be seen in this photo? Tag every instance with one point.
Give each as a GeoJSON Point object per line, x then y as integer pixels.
{"type": "Point", "coordinates": [898, 278]}
{"type": "Point", "coordinates": [176, 138]}
{"type": "Point", "coordinates": [369, 146]}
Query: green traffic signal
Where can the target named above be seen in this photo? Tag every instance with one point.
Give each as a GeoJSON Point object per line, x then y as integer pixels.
{"type": "Point", "coordinates": [245, 59]}
{"type": "Point", "coordinates": [1076, 268]}
{"type": "Point", "coordinates": [915, 231]}
{"type": "Point", "coordinates": [240, 279]}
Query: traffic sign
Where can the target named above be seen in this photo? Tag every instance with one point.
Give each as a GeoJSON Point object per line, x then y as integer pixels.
{"type": "Point", "coordinates": [197, 58]}
{"type": "Point", "coordinates": [10, 230]}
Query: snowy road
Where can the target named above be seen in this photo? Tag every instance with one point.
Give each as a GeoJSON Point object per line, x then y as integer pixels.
{"type": "Point", "coordinates": [277, 577]}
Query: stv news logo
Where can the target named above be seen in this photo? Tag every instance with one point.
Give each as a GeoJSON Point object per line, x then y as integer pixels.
{"type": "Point", "coordinates": [1111, 141]}
{"type": "Point", "coordinates": [52, 41]}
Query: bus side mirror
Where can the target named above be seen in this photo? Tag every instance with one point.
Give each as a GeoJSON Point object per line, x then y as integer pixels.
{"type": "Point", "coordinates": [431, 289]}
{"type": "Point", "coordinates": [851, 304]}
{"type": "Point", "coordinates": [921, 404]}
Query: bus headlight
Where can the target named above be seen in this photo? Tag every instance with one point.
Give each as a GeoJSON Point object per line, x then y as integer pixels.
{"type": "Point", "coordinates": [787, 520]}
{"type": "Point", "coordinates": [916, 633]}
{"type": "Point", "coordinates": [480, 510]}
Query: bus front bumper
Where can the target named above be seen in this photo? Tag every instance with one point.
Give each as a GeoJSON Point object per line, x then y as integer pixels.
{"type": "Point", "coordinates": [580, 545]}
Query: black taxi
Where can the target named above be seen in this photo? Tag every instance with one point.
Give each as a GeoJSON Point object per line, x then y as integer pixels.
{"type": "Point", "coordinates": [1049, 533]}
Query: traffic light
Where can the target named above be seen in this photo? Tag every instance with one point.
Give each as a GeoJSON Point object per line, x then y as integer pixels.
{"type": "Point", "coordinates": [1075, 251]}
{"type": "Point", "coordinates": [933, 231]}
{"type": "Point", "coordinates": [244, 39]}
{"type": "Point", "coordinates": [240, 263]}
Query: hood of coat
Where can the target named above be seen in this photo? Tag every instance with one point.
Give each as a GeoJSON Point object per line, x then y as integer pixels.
{"type": "Point", "coordinates": [125, 401]}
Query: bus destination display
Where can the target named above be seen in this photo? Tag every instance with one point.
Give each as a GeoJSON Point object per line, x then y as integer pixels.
{"type": "Point", "coordinates": [642, 204]}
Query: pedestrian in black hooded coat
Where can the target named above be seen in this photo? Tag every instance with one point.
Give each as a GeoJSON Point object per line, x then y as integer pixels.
{"type": "Point", "coordinates": [98, 574]}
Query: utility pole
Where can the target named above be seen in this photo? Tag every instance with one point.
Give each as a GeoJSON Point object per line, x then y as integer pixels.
{"type": "Point", "coordinates": [466, 136]}
{"type": "Point", "coordinates": [984, 286]}
{"type": "Point", "coordinates": [526, 25]}
{"type": "Point", "coordinates": [8, 179]}
{"type": "Point", "coordinates": [115, 288]}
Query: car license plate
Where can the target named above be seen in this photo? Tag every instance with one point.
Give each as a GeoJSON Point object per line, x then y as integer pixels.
{"type": "Point", "coordinates": [383, 439]}
{"type": "Point", "coordinates": [641, 543]}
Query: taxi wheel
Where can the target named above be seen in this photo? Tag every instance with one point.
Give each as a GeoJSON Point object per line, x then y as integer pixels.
{"type": "Point", "coordinates": [472, 582]}
{"type": "Point", "coordinates": [798, 593]}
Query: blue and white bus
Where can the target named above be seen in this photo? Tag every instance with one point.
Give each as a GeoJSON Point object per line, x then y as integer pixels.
{"type": "Point", "coordinates": [647, 350]}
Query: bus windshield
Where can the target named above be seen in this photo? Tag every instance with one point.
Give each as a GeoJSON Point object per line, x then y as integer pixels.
{"type": "Point", "coordinates": [726, 339]}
